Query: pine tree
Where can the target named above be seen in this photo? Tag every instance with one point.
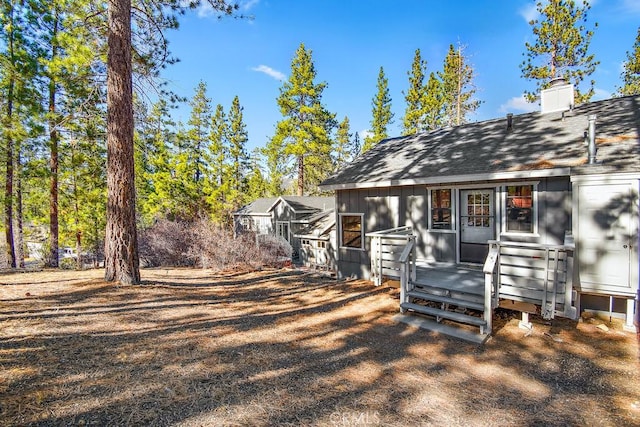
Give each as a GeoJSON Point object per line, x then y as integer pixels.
{"type": "Point", "coordinates": [304, 132]}
{"type": "Point", "coordinates": [382, 116]}
{"type": "Point", "coordinates": [433, 104]}
{"type": "Point", "coordinates": [219, 152]}
{"type": "Point", "coordinates": [238, 158]}
{"type": "Point", "coordinates": [256, 183]}
{"type": "Point", "coordinates": [356, 146]}
{"type": "Point", "coordinates": [457, 87]}
{"type": "Point", "coordinates": [343, 142]}
{"type": "Point", "coordinates": [631, 73]}
{"type": "Point", "coordinates": [560, 49]}
{"type": "Point", "coordinates": [412, 121]}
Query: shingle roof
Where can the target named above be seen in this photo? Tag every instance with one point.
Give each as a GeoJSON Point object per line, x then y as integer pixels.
{"type": "Point", "coordinates": [552, 143]}
{"type": "Point", "coordinates": [319, 225]}
{"type": "Point", "coordinates": [297, 203]}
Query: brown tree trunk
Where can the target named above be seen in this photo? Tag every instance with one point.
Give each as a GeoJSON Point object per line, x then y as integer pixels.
{"type": "Point", "coordinates": [53, 181]}
{"type": "Point", "coordinates": [8, 184]}
{"type": "Point", "coordinates": [19, 244]}
{"type": "Point", "coordinates": [121, 241]}
{"type": "Point", "coordinates": [300, 175]}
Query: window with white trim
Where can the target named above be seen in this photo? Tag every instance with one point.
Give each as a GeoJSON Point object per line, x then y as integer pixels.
{"type": "Point", "coordinates": [520, 208]}
{"type": "Point", "coordinates": [351, 231]}
{"type": "Point", "coordinates": [441, 209]}
{"type": "Point", "coordinates": [282, 230]}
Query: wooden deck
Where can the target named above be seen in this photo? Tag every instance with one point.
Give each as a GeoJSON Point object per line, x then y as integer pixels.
{"type": "Point", "coordinates": [460, 278]}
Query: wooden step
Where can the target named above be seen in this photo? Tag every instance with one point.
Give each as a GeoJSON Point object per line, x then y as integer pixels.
{"type": "Point", "coordinates": [431, 325]}
{"type": "Point", "coordinates": [436, 312]}
{"type": "Point", "coordinates": [453, 293]}
{"type": "Point", "coordinates": [473, 305]}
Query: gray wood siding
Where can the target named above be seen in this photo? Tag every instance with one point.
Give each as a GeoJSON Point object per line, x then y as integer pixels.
{"type": "Point", "coordinates": [390, 207]}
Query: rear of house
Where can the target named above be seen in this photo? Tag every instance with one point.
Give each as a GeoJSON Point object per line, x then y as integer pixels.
{"type": "Point", "coordinates": [564, 178]}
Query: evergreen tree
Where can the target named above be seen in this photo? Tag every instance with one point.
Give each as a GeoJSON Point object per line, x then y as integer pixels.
{"type": "Point", "coordinates": [219, 151]}
{"type": "Point", "coordinates": [631, 73]}
{"type": "Point", "coordinates": [256, 183]}
{"type": "Point", "coordinates": [304, 133]}
{"type": "Point", "coordinates": [457, 87]}
{"type": "Point", "coordinates": [560, 49]}
{"type": "Point", "coordinates": [381, 111]}
{"type": "Point", "coordinates": [343, 142]}
{"type": "Point", "coordinates": [238, 157]}
{"type": "Point", "coordinates": [356, 146]}
{"type": "Point", "coordinates": [412, 121]}
{"type": "Point", "coordinates": [433, 104]}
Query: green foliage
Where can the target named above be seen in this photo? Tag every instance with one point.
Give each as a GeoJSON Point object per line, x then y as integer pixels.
{"type": "Point", "coordinates": [560, 49]}
{"type": "Point", "coordinates": [631, 73]}
{"type": "Point", "coordinates": [454, 93]}
{"type": "Point", "coordinates": [412, 120]}
{"type": "Point", "coordinates": [343, 142]}
{"type": "Point", "coordinates": [304, 133]}
{"type": "Point", "coordinates": [382, 116]}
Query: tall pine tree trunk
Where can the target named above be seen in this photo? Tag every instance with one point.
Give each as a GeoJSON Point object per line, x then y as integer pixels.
{"type": "Point", "coordinates": [19, 213]}
{"type": "Point", "coordinates": [121, 242]}
{"type": "Point", "coordinates": [300, 175]}
{"type": "Point", "coordinates": [8, 184]}
{"type": "Point", "coordinates": [53, 159]}
{"type": "Point", "coordinates": [53, 180]}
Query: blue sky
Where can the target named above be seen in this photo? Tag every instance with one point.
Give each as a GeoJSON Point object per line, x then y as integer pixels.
{"type": "Point", "coordinates": [351, 39]}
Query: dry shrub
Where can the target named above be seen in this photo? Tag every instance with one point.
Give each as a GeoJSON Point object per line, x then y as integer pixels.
{"type": "Point", "coordinates": [202, 243]}
{"type": "Point", "coordinates": [166, 243]}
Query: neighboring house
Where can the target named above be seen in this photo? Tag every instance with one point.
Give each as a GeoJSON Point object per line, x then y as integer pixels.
{"type": "Point", "coordinates": [566, 177]}
{"type": "Point", "coordinates": [283, 216]}
{"type": "Point", "coordinates": [316, 235]}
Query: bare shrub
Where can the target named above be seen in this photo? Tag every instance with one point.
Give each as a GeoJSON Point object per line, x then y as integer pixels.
{"type": "Point", "coordinates": [202, 243]}
{"type": "Point", "coordinates": [166, 243]}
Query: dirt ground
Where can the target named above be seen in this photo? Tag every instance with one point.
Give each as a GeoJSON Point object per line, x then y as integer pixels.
{"type": "Point", "coordinates": [288, 347]}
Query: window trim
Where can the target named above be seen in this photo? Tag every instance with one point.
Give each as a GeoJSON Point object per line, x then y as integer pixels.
{"type": "Point", "coordinates": [453, 214]}
{"type": "Point", "coordinates": [288, 224]}
{"type": "Point", "coordinates": [534, 209]}
{"type": "Point", "coordinates": [362, 234]}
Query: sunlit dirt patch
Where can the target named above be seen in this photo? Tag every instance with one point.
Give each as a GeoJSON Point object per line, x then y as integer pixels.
{"type": "Point", "coordinates": [287, 347]}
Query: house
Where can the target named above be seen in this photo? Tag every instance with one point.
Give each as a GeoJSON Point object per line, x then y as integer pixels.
{"type": "Point", "coordinates": [563, 181]}
{"type": "Point", "coordinates": [294, 218]}
{"type": "Point", "coordinates": [317, 237]}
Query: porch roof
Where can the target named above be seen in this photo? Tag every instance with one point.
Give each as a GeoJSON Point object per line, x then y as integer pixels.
{"type": "Point", "coordinates": [537, 145]}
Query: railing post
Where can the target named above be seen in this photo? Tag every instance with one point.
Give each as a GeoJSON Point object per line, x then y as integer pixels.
{"type": "Point", "coordinates": [490, 265]}
{"type": "Point", "coordinates": [403, 285]}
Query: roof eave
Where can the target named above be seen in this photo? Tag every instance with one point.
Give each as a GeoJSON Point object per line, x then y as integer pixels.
{"type": "Point", "coordinates": [497, 176]}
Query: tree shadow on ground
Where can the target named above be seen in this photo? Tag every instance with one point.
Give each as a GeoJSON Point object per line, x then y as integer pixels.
{"type": "Point", "coordinates": [293, 349]}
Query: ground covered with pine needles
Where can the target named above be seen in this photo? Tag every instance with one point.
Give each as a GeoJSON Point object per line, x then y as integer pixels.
{"type": "Point", "coordinates": [288, 347]}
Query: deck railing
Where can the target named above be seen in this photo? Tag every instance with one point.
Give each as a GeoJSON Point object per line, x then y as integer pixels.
{"type": "Point", "coordinates": [532, 273]}
{"type": "Point", "coordinates": [387, 246]}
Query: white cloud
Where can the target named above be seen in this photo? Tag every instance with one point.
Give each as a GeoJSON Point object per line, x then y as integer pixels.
{"type": "Point", "coordinates": [518, 103]}
{"type": "Point", "coordinates": [601, 94]}
{"type": "Point", "coordinates": [248, 4]}
{"type": "Point", "coordinates": [364, 134]}
{"type": "Point", "coordinates": [529, 12]}
{"type": "Point", "coordinates": [631, 6]}
{"type": "Point", "coordinates": [270, 72]}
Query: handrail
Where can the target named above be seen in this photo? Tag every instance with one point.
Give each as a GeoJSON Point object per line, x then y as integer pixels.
{"type": "Point", "coordinates": [378, 264]}
{"type": "Point", "coordinates": [405, 269]}
{"type": "Point", "coordinates": [391, 231]}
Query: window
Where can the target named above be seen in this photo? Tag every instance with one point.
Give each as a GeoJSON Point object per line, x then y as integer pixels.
{"type": "Point", "coordinates": [520, 208]}
{"type": "Point", "coordinates": [351, 231]}
{"type": "Point", "coordinates": [282, 230]}
{"type": "Point", "coordinates": [245, 223]}
{"type": "Point", "coordinates": [322, 244]}
{"type": "Point", "coordinates": [441, 209]}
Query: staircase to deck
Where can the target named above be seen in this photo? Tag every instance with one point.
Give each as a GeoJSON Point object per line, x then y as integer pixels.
{"type": "Point", "coordinates": [459, 300]}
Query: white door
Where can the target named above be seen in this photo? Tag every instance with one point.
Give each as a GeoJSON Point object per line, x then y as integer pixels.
{"type": "Point", "coordinates": [605, 235]}
{"type": "Point", "coordinates": [477, 219]}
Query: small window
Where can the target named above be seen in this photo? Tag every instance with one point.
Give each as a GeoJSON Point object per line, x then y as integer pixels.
{"type": "Point", "coordinates": [351, 231]}
{"type": "Point", "coordinates": [282, 230]}
{"type": "Point", "coordinates": [322, 244]}
{"type": "Point", "coordinates": [520, 212]}
{"type": "Point", "coordinates": [441, 209]}
{"type": "Point", "coordinates": [305, 242]}
{"type": "Point", "coordinates": [245, 224]}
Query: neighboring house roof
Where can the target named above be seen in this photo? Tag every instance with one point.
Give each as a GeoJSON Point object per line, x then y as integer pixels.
{"type": "Point", "coordinates": [260, 206]}
{"type": "Point", "coordinates": [537, 145]}
{"type": "Point", "coordinates": [299, 204]}
{"type": "Point", "coordinates": [318, 226]}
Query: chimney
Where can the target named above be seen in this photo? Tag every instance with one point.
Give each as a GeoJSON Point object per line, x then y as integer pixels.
{"type": "Point", "coordinates": [509, 122]}
{"type": "Point", "coordinates": [592, 150]}
{"type": "Point", "coordinates": [557, 97]}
